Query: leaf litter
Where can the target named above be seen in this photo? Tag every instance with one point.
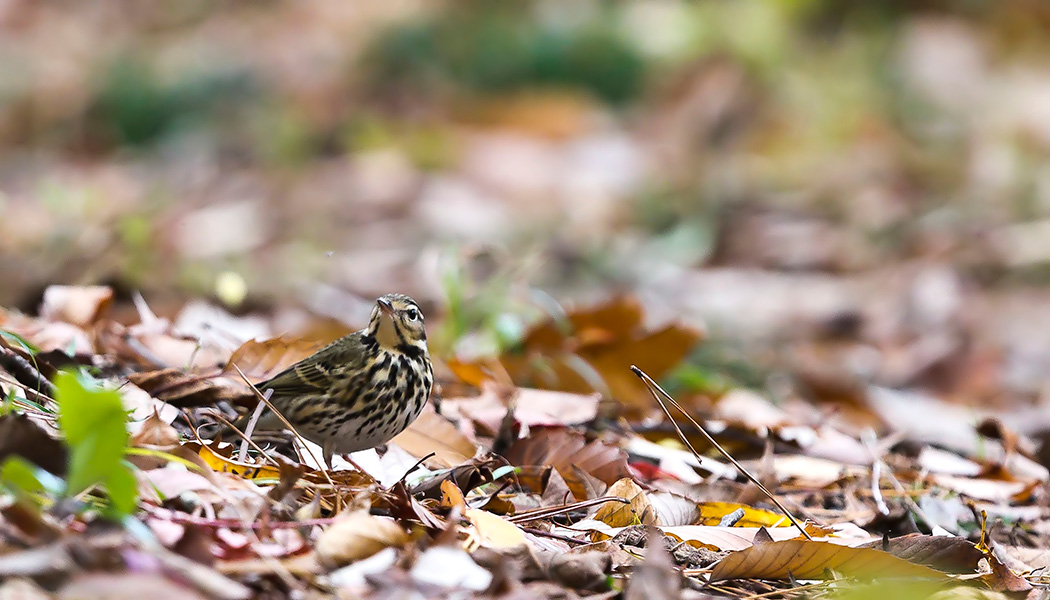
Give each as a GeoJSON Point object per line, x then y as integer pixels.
{"type": "Point", "coordinates": [525, 484]}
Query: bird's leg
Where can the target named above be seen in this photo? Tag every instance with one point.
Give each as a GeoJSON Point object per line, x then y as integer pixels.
{"type": "Point", "coordinates": [328, 449]}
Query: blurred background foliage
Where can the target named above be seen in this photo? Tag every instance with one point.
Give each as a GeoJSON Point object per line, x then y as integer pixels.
{"type": "Point", "coordinates": [307, 151]}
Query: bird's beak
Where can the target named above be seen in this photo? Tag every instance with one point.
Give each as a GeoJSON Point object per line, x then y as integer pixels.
{"type": "Point", "coordinates": [385, 306]}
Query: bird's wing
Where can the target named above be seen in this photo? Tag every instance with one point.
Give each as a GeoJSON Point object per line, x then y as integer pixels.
{"type": "Point", "coordinates": [315, 373]}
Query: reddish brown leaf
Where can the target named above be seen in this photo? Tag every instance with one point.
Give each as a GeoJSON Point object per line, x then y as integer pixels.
{"type": "Point", "coordinates": [571, 454]}
{"type": "Point", "coordinates": [260, 360]}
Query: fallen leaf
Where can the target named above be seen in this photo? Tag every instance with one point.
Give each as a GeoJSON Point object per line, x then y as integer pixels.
{"type": "Point", "coordinates": [604, 341]}
{"type": "Point", "coordinates": [355, 536]}
{"type": "Point", "coordinates": [452, 496]}
{"type": "Point", "coordinates": [262, 359]}
{"type": "Point", "coordinates": [449, 567]}
{"type": "Point", "coordinates": [80, 305]}
{"type": "Point", "coordinates": [673, 509]}
{"type": "Point", "coordinates": [571, 454]}
{"type": "Point", "coordinates": [126, 586]}
{"type": "Point", "coordinates": [20, 436]}
{"type": "Point", "coordinates": [711, 513]}
{"type": "Point", "coordinates": [944, 553]}
{"type": "Point", "coordinates": [155, 432]}
{"type": "Point", "coordinates": [1002, 579]}
{"type": "Point", "coordinates": [492, 531]}
{"type": "Point", "coordinates": [581, 570]}
{"type": "Point", "coordinates": [804, 559]}
{"type": "Point", "coordinates": [531, 407]}
{"type": "Point", "coordinates": [433, 433]}
{"type": "Point", "coordinates": [638, 512]}
{"type": "Point", "coordinates": [184, 390]}
{"type": "Point", "coordinates": [224, 464]}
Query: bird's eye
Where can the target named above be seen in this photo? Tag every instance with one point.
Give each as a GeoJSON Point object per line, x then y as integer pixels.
{"type": "Point", "coordinates": [412, 314]}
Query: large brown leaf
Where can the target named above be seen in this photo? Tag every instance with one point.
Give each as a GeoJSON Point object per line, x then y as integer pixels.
{"type": "Point", "coordinates": [262, 359]}
{"type": "Point", "coordinates": [804, 559]}
{"type": "Point", "coordinates": [184, 390]}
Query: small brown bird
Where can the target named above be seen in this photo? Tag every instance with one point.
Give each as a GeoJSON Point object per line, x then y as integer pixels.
{"type": "Point", "coordinates": [362, 389]}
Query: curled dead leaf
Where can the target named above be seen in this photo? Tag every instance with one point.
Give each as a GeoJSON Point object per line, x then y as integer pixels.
{"type": "Point", "coordinates": [356, 536]}
{"type": "Point", "coordinates": [577, 460]}
{"type": "Point", "coordinates": [639, 511]}
{"type": "Point", "coordinates": [80, 305]}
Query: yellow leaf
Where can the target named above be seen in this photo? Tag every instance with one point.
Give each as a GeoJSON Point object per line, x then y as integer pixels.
{"type": "Point", "coordinates": [452, 496]}
{"type": "Point", "coordinates": [225, 465]}
{"type": "Point", "coordinates": [711, 513]}
{"type": "Point", "coordinates": [492, 531]}
{"type": "Point", "coordinates": [638, 512]}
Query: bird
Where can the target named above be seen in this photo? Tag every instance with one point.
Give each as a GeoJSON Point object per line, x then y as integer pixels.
{"type": "Point", "coordinates": [359, 391]}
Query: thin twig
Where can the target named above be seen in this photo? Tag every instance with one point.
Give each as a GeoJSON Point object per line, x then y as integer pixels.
{"type": "Point", "coordinates": [255, 446]}
{"type": "Point", "coordinates": [418, 464]}
{"type": "Point", "coordinates": [250, 429]}
{"type": "Point", "coordinates": [553, 536]}
{"type": "Point", "coordinates": [654, 387]}
{"type": "Point", "coordinates": [26, 372]}
{"type": "Point", "coordinates": [897, 485]}
{"type": "Point", "coordinates": [544, 513]}
{"type": "Point", "coordinates": [269, 405]}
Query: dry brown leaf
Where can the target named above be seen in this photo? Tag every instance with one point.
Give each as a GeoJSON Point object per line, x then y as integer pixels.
{"type": "Point", "coordinates": [718, 538]}
{"type": "Point", "coordinates": [604, 342]}
{"type": "Point", "coordinates": [183, 390]}
{"type": "Point", "coordinates": [20, 436]}
{"type": "Point", "coordinates": [944, 553]}
{"type": "Point", "coordinates": [357, 535]}
{"type": "Point", "coordinates": [804, 559]}
{"type": "Point", "coordinates": [80, 305]}
{"type": "Point", "coordinates": [433, 433]}
{"type": "Point", "coordinates": [155, 433]}
{"type": "Point", "coordinates": [639, 511]}
{"type": "Point", "coordinates": [48, 336]}
{"type": "Point", "coordinates": [1002, 579]}
{"type": "Point", "coordinates": [571, 454]}
{"type": "Point", "coordinates": [262, 359]}
{"type": "Point", "coordinates": [531, 407]}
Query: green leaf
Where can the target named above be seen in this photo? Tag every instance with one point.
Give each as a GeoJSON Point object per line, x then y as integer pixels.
{"type": "Point", "coordinates": [93, 421]}
{"type": "Point", "coordinates": [19, 475]}
{"type": "Point", "coordinates": [123, 491]}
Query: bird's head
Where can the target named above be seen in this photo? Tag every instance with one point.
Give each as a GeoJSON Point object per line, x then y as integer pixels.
{"type": "Point", "coordinates": [397, 323]}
